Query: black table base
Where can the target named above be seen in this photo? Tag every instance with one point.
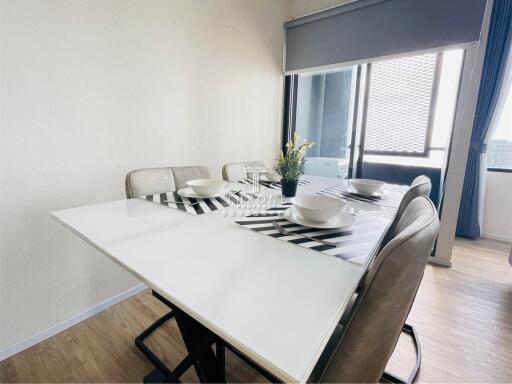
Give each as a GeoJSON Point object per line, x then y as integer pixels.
{"type": "Point", "coordinates": [199, 340]}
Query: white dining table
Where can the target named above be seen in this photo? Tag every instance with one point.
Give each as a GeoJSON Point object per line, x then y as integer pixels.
{"type": "Point", "coordinates": [275, 302]}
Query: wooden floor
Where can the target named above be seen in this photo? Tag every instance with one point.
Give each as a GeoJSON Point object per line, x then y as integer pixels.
{"type": "Point", "coordinates": [463, 315]}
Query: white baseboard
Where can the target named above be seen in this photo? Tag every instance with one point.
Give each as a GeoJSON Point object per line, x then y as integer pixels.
{"type": "Point", "coordinates": [497, 237]}
{"type": "Point", "coordinates": [57, 328]}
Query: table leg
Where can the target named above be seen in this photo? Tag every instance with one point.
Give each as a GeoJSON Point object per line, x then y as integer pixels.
{"type": "Point", "coordinates": [207, 368]}
{"type": "Point", "coordinates": [198, 341]}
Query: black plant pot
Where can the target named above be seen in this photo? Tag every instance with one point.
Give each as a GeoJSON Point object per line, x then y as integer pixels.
{"type": "Point", "coordinates": [289, 187]}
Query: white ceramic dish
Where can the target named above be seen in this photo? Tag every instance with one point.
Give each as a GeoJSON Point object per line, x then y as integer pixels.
{"type": "Point", "coordinates": [342, 219]}
{"type": "Point", "coordinates": [365, 186]}
{"type": "Point", "coordinates": [273, 177]}
{"type": "Point", "coordinates": [206, 187]}
{"type": "Point", "coordinates": [188, 192]}
{"type": "Point", "coordinates": [318, 208]}
{"type": "Point", "coordinates": [379, 193]}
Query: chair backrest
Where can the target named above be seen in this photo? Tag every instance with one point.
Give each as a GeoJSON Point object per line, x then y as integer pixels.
{"type": "Point", "coordinates": [421, 186]}
{"type": "Point", "coordinates": [184, 174]}
{"type": "Point", "coordinates": [149, 181]}
{"type": "Point", "coordinates": [387, 296]}
{"type": "Point", "coordinates": [254, 164]}
{"type": "Point", "coordinates": [238, 171]}
{"type": "Point", "coordinates": [234, 172]}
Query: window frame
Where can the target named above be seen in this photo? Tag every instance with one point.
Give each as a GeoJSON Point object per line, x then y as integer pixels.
{"type": "Point", "coordinates": [289, 109]}
{"type": "Point", "coordinates": [502, 170]}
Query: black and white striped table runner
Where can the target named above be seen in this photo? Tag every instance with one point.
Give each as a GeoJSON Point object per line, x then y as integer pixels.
{"type": "Point", "coordinates": [204, 205]}
{"type": "Point", "coordinates": [391, 197]}
{"type": "Point", "coordinates": [355, 242]}
{"type": "Point", "coordinates": [271, 184]}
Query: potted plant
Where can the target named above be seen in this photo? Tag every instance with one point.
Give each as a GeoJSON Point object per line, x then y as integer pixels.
{"type": "Point", "coordinates": [290, 165]}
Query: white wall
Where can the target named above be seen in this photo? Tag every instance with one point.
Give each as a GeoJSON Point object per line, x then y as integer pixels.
{"type": "Point", "coordinates": [497, 222]}
{"type": "Point", "coordinates": [91, 89]}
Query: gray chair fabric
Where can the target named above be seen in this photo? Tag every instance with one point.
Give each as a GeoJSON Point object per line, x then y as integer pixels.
{"type": "Point", "coordinates": [421, 186]}
{"type": "Point", "coordinates": [234, 172]}
{"type": "Point", "coordinates": [149, 181]}
{"type": "Point", "coordinates": [184, 174]}
{"type": "Point", "coordinates": [238, 171]}
{"type": "Point", "coordinates": [254, 164]}
{"type": "Point", "coordinates": [386, 298]}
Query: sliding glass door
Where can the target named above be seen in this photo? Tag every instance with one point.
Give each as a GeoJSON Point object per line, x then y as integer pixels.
{"type": "Point", "coordinates": [324, 114]}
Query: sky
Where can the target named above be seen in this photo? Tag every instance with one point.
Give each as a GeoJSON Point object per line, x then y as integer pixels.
{"type": "Point", "coordinates": [504, 124]}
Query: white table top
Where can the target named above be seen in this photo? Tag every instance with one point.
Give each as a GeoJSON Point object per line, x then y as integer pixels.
{"type": "Point", "coordinates": [276, 302]}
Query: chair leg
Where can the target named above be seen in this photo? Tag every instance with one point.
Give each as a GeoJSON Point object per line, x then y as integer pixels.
{"type": "Point", "coordinates": [409, 329]}
{"type": "Point", "coordinates": [163, 375]}
{"type": "Point", "coordinates": [139, 342]}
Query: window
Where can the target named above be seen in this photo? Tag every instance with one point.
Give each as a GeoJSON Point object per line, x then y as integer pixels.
{"type": "Point", "coordinates": [400, 104]}
{"type": "Point", "coordinates": [324, 115]}
{"type": "Point", "coordinates": [397, 111]}
{"type": "Point", "coordinates": [439, 101]}
{"type": "Point", "coordinates": [499, 148]}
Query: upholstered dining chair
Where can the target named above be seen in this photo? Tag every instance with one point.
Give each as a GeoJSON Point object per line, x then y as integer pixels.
{"type": "Point", "coordinates": [184, 174]}
{"type": "Point", "coordinates": [238, 171]}
{"type": "Point", "coordinates": [421, 186]}
{"type": "Point", "coordinates": [151, 181]}
{"type": "Point", "coordinates": [141, 182]}
{"type": "Point", "coordinates": [364, 346]}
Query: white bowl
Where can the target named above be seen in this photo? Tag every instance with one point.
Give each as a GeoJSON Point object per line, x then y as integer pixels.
{"type": "Point", "coordinates": [273, 177]}
{"type": "Point", "coordinates": [365, 186]}
{"type": "Point", "coordinates": [318, 208]}
{"type": "Point", "coordinates": [206, 187]}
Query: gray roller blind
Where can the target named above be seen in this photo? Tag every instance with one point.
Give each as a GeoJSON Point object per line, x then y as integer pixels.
{"type": "Point", "coordinates": [367, 29]}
